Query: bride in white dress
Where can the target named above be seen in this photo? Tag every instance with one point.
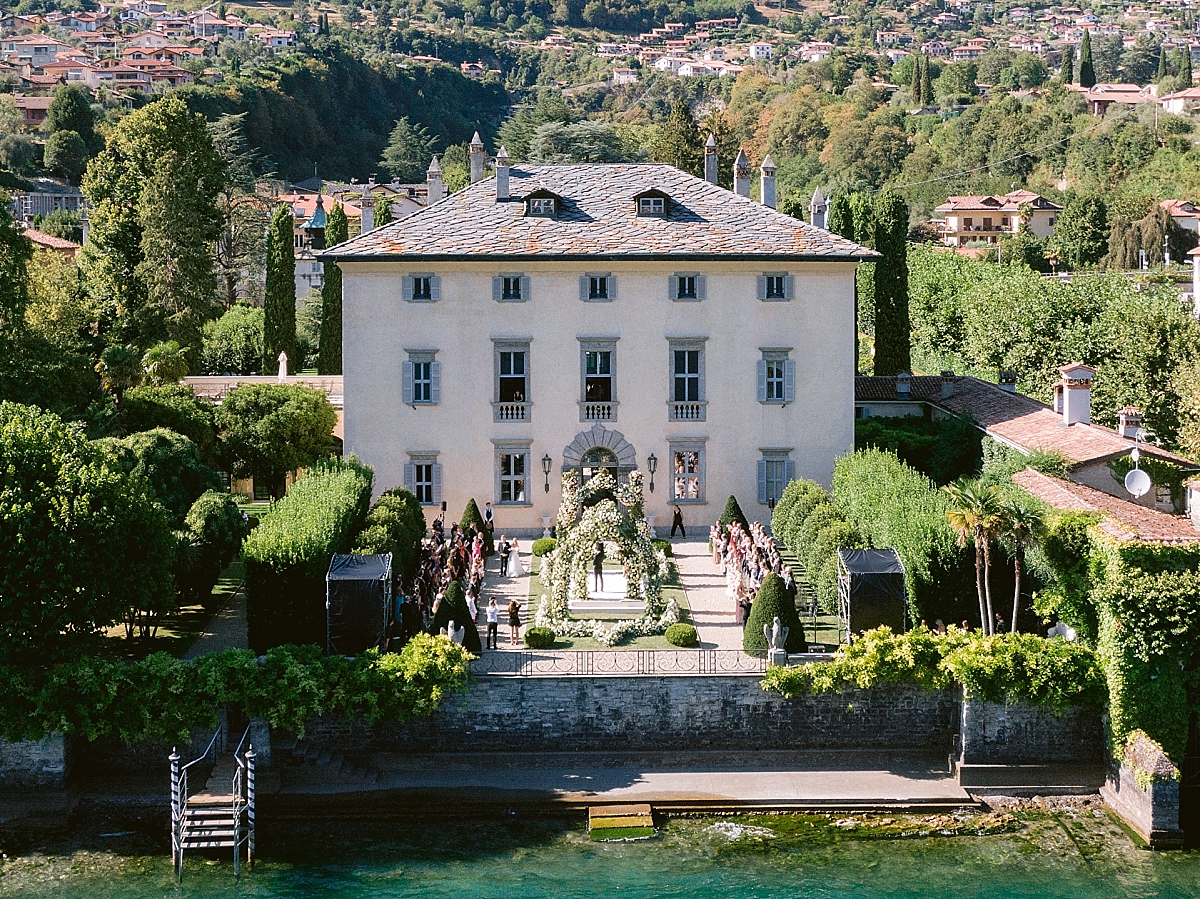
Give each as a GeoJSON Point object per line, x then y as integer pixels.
{"type": "Point", "coordinates": [515, 568]}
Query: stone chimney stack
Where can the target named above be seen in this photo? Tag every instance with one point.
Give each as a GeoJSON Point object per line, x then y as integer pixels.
{"type": "Point", "coordinates": [435, 188]}
{"type": "Point", "coordinates": [741, 174]}
{"type": "Point", "coordinates": [903, 386]}
{"type": "Point", "coordinates": [766, 183]}
{"type": "Point", "coordinates": [710, 159]}
{"type": "Point", "coordinates": [818, 210]}
{"type": "Point", "coordinates": [476, 158]}
{"type": "Point", "coordinates": [368, 207]}
{"type": "Point", "coordinates": [1076, 389]}
{"type": "Point", "coordinates": [1007, 381]}
{"type": "Point", "coordinates": [502, 174]}
{"type": "Point", "coordinates": [1130, 422]}
{"type": "Point", "coordinates": [947, 384]}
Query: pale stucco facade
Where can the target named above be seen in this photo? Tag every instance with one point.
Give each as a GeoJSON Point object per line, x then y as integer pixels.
{"type": "Point", "coordinates": [731, 326]}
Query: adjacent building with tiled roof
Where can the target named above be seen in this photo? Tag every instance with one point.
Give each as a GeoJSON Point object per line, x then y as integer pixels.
{"type": "Point", "coordinates": [598, 317]}
{"type": "Point", "coordinates": [983, 219]}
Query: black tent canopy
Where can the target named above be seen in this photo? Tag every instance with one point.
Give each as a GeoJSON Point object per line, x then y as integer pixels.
{"type": "Point", "coordinates": [358, 598]}
{"type": "Point", "coordinates": [870, 590]}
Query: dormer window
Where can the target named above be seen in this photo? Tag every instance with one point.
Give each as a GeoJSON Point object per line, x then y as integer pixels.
{"type": "Point", "coordinates": [651, 206]}
{"type": "Point", "coordinates": [541, 206]}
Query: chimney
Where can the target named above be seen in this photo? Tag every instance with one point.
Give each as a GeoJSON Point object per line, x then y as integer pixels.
{"type": "Point", "coordinates": [476, 158]}
{"type": "Point", "coordinates": [741, 174]}
{"type": "Point", "coordinates": [435, 190]}
{"type": "Point", "coordinates": [502, 174]}
{"type": "Point", "coordinates": [766, 183]}
{"type": "Point", "coordinates": [710, 159]}
{"type": "Point", "coordinates": [818, 210]}
{"type": "Point", "coordinates": [368, 208]}
{"type": "Point", "coordinates": [903, 386]}
{"type": "Point", "coordinates": [947, 384]}
{"type": "Point", "coordinates": [1007, 381]}
{"type": "Point", "coordinates": [1076, 387]}
{"type": "Point", "coordinates": [1130, 422]}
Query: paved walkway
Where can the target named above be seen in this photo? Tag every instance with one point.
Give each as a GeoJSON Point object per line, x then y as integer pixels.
{"type": "Point", "coordinates": [226, 630]}
{"type": "Point", "coordinates": [704, 584]}
{"type": "Point", "coordinates": [714, 779]}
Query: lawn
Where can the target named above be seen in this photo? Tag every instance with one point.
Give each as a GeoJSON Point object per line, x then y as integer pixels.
{"type": "Point", "coordinates": [671, 589]}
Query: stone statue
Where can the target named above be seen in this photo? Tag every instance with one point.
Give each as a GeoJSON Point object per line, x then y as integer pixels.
{"type": "Point", "coordinates": [776, 635]}
{"type": "Point", "coordinates": [282, 367]}
{"type": "Point", "coordinates": [456, 636]}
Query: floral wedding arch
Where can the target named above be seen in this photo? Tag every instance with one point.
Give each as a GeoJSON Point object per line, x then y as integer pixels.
{"type": "Point", "coordinates": [590, 514]}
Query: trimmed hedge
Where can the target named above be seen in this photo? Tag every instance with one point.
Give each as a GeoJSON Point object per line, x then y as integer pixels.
{"type": "Point", "coordinates": [813, 530]}
{"type": "Point", "coordinates": [772, 600]}
{"type": "Point", "coordinates": [733, 512]}
{"type": "Point", "coordinates": [543, 546]}
{"type": "Point", "coordinates": [453, 607]}
{"type": "Point", "coordinates": [215, 527]}
{"type": "Point", "coordinates": [394, 525]}
{"type": "Point", "coordinates": [164, 698]}
{"type": "Point", "coordinates": [288, 554]}
{"type": "Point", "coordinates": [665, 546]}
{"type": "Point", "coordinates": [793, 493]}
{"type": "Point", "coordinates": [539, 637]}
{"type": "Point", "coordinates": [682, 635]}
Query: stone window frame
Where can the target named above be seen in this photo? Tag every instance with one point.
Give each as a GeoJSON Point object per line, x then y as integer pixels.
{"type": "Point", "coordinates": [506, 447]}
{"type": "Point", "coordinates": [502, 284]}
{"type": "Point", "coordinates": [408, 377]}
{"type": "Point", "coordinates": [774, 455]}
{"type": "Point", "coordinates": [776, 354]}
{"type": "Point", "coordinates": [585, 287]}
{"type": "Point", "coordinates": [697, 408]}
{"type": "Point", "coordinates": [688, 445]}
{"type": "Point", "coordinates": [409, 283]}
{"type": "Point", "coordinates": [422, 458]}
{"type": "Point", "coordinates": [700, 284]}
{"type": "Point", "coordinates": [597, 345]}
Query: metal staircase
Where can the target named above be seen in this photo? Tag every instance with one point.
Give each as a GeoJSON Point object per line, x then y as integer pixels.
{"type": "Point", "coordinates": [221, 816]}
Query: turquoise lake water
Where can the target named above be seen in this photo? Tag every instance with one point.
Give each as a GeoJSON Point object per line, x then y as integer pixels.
{"type": "Point", "coordinates": [1074, 854]}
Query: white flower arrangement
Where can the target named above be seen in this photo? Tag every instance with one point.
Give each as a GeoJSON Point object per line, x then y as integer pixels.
{"type": "Point", "coordinates": [587, 516]}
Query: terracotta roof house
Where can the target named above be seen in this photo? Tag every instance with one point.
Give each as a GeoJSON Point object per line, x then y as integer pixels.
{"type": "Point", "coordinates": [556, 318]}
{"type": "Point", "coordinates": [974, 219]}
{"type": "Point", "coordinates": [49, 242]}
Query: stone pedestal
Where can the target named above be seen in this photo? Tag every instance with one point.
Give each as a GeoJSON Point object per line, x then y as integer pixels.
{"type": "Point", "coordinates": [778, 657]}
{"type": "Point", "coordinates": [652, 519]}
{"type": "Point", "coordinates": [546, 520]}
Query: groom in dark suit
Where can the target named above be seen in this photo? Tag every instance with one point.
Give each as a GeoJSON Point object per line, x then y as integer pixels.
{"type": "Point", "coordinates": [504, 549]}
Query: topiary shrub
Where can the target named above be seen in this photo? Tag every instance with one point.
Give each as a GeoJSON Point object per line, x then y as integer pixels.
{"type": "Point", "coordinates": [732, 513]}
{"type": "Point", "coordinates": [471, 516]}
{"type": "Point", "coordinates": [665, 546]}
{"type": "Point", "coordinates": [543, 546]}
{"type": "Point", "coordinates": [539, 637]}
{"type": "Point", "coordinates": [772, 600]}
{"type": "Point", "coordinates": [781, 526]}
{"type": "Point", "coordinates": [212, 535]}
{"type": "Point", "coordinates": [453, 607]}
{"type": "Point", "coordinates": [394, 525]}
{"type": "Point", "coordinates": [682, 635]}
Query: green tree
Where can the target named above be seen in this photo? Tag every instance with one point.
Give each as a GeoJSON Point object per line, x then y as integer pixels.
{"type": "Point", "coordinates": [453, 608]}
{"type": "Point", "coordinates": [383, 209]}
{"type": "Point", "coordinates": [169, 463]}
{"type": "Point", "coordinates": [65, 154]}
{"type": "Point", "coordinates": [270, 430]}
{"type": "Point", "coordinates": [336, 231]}
{"type": "Point", "coordinates": [1068, 64]}
{"type": "Point", "coordinates": [471, 516]}
{"type": "Point", "coordinates": [233, 344]}
{"type": "Point", "coordinates": [772, 601]}
{"type": "Point", "coordinates": [589, 142]}
{"type": "Point", "coordinates": [1019, 526]}
{"type": "Point", "coordinates": [1087, 70]}
{"type": "Point", "coordinates": [733, 513]}
{"type": "Point", "coordinates": [1185, 67]}
{"type": "Point", "coordinates": [15, 254]}
{"type": "Point", "coordinates": [279, 305]}
{"type": "Point", "coordinates": [244, 209]}
{"type": "Point", "coordinates": [165, 363]}
{"type": "Point", "coordinates": [926, 82]}
{"type": "Point", "coordinates": [71, 110]}
{"type": "Point", "coordinates": [1122, 252]}
{"type": "Point", "coordinates": [892, 330]}
{"type": "Point", "coordinates": [408, 152]}
{"type": "Point", "coordinates": [841, 216]}
{"type": "Point", "coordinates": [1162, 65]}
{"type": "Point", "coordinates": [678, 142]}
{"type": "Point", "coordinates": [120, 367]}
{"type": "Point", "coordinates": [83, 541]}
{"type": "Point", "coordinates": [1081, 232]}
{"type": "Point", "coordinates": [974, 514]}
{"type": "Point", "coordinates": [177, 408]}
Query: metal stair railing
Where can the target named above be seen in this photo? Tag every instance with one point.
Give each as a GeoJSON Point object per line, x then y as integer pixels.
{"type": "Point", "coordinates": [179, 800]}
{"type": "Point", "coordinates": [243, 803]}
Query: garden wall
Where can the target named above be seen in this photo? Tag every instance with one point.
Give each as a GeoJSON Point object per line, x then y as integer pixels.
{"type": "Point", "coordinates": [995, 734]}
{"type": "Point", "coordinates": [33, 763]}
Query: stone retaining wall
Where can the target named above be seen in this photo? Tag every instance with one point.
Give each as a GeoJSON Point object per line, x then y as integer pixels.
{"type": "Point", "coordinates": [995, 734]}
{"type": "Point", "coordinates": [33, 763]}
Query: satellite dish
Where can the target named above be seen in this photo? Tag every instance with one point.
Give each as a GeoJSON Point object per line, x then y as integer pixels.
{"type": "Point", "coordinates": [1137, 482]}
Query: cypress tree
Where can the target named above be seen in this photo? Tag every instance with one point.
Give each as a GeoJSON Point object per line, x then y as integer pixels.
{"type": "Point", "coordinates": [926, 82]}
{"type": "Point", "coordinates": [863, 211]}
{"type": "Point", "coordinates": [1068, 65]}
{"type": "Point", "coordinates": [914, 87]}
{"type": "Point", "coordinates": [841, 217]}
{"type": "Point", "coordinates": [330, 359]}
{"type": "Point", "coordinates": [1087, 71]}
{"type": "Point", "coordinates": [733, 512]}
{"type": "Point", "coordinates": [279, 297]}
{"type": "Point", "coordinates": [892, 330]}
{"type": "Point", "coordinates": [1162, 65]}
{"type": "Point", "coordinates": [383, 210]}
{"type": "Point", "coordinates": [471, 516]}
{"type": "Point", "coordinates": [1185, 68]}
{"type": "Point", "coordinates": [453, 607]}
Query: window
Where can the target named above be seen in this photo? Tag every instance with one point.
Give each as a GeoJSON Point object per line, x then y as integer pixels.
{"type": "Point", "coordinates": [423, 476]}
{"type": "Point", "coordinates": [687, 472]}
{"type": "Point", "coordinates": [776, 376]}
{"type": "Point", "coordinates": [512, 473]}
{"type": "Point", "coordinates": [775, 471]}
{"type": "Point", "coordinates": [651, 206]}
{"type": "Point", "coordinates": [597, 287]}
{"type": "Point", "coordinates": [510, 288]}
{"type": "Point", "coordinates": [775, 286]}
{"type": "Point", "coordinates": [510, 401]}
{"type": "Point", "coordinates": [687, 380]}
{"type": "Point", "coordinates": [541, 206]}
{"type": "Point", "coordinates": [422, 288]}
{"type": "Point", "coordinates": [598, 390]}
{"type": "Point", "coordinates": [686, 286]}
{"type": "Point", "coordinates": [422, 375]}
{"type": "Point", "coordinates": [512, 376]}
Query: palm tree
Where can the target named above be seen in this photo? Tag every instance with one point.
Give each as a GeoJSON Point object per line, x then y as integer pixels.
{"type": "Point", "coordinates": [1019, 525]}
{"type": "Point", "coordinates": [973, 513]}
{"type": "Point", "coordinates": [165, 363]}
{"type": "Point", "coordinates": [120, 367]}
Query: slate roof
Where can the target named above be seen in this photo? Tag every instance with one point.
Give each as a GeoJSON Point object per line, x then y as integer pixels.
{"type": "Point", "coordinates": [598, 219]}
{"type": "Point", "coordinates": [1120, 518]}
{"type": "Point", "coordinates": [1015, 419]}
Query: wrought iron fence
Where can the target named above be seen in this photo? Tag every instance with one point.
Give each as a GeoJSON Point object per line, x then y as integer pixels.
{"type": "Point", "coordinates": [618, 663]}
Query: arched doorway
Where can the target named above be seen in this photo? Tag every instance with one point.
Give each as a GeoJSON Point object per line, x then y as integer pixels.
{"type": "Point", "coordinates": [598, 459]}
